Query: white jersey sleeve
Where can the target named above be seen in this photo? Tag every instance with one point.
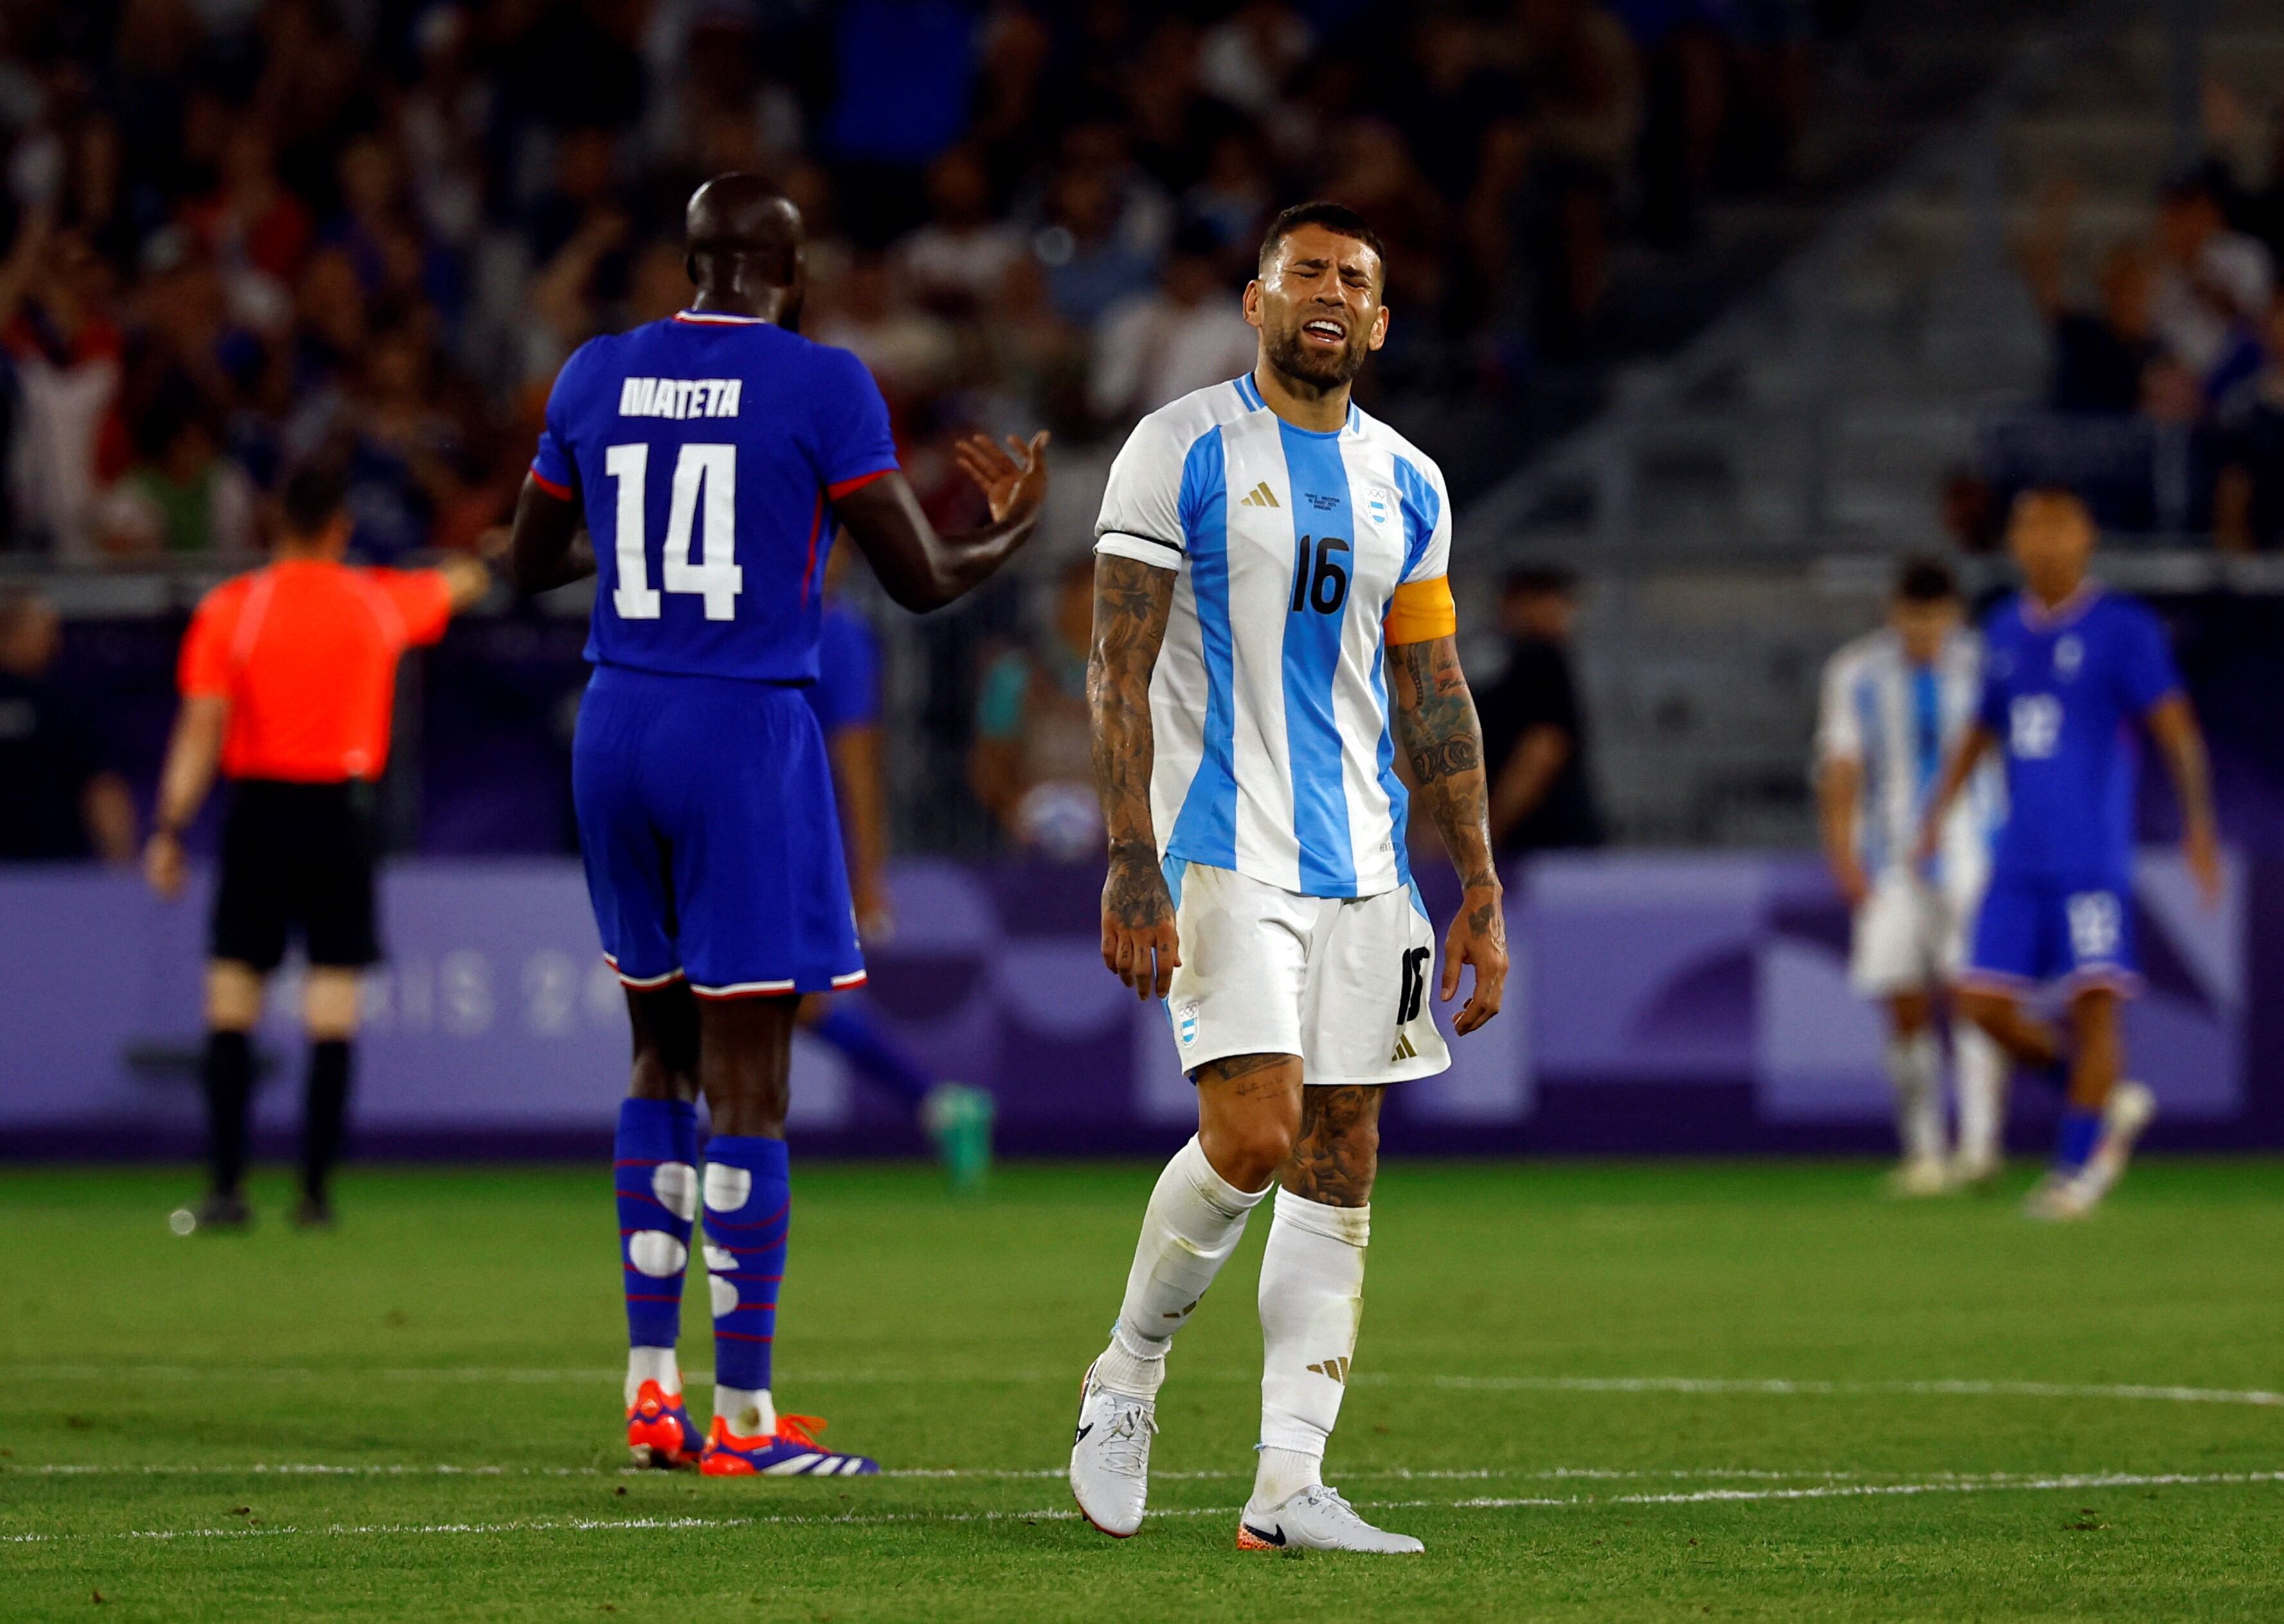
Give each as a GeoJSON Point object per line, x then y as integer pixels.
{"type": "Point", "coordinates": [1428, 520]}
{"type": "Point", "coordinates": [1839, 727]}
{"type": "Point", "coordinates": [1142, 515]}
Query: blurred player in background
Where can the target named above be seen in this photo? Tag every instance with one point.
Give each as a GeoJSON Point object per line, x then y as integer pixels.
{"type": "Point", "coordinates": [288, 677]}
{"type": "Point", "coordinates": [1272, 621]}
{"type": "Point", "coordinates": [2068, 669]}
{"type": "Point", "coordinates": [712, 457]}
{"type": "Point", "coordinates": [1896, 702]}
{"type": "Point", "coordinates": [846, 699]}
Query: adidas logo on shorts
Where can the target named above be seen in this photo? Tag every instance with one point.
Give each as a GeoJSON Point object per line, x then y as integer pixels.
{"type": "Point", "coordinates": [1403, 1050]}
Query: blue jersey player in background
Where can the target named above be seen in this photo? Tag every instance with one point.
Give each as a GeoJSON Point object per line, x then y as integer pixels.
{"type": "Point", "coordinates": [710, 458]}
{"type": "Point", "coordinates": [2070, 669]}
{"type": "Point", "coordinates": [846, 699]}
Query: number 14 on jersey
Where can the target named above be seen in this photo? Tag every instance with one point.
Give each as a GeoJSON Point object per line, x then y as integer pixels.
{"type": "Point", "coordinates": [706, 470]}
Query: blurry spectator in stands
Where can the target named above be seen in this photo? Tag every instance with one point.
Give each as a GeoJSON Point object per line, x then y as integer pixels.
{"type": "Point", "coordinates": [2249, 501]}
{"type": "Point", "coordinates": [443, 120]}
{"type": "Point", "coordinates": [62, 801]}
{"type": "Point", "coordinates": [1579, 73]}
{"type": "Point", "coordinates": [1535, 747]}
{"type": "Point", "coordinates": [1172, 123]}
{"type": "Point", "coordinates": [1186, 333]}
{"type": "Point", "coordinates": [1232, 198]}
{"type": "Point", "coordinates": [256, 231]}
{"type": "Point", "coordinates": [1248, 60]}
{"type": "Point", "coordinates": [1091, 263]}
{"type": "Point", "coordinates": [1013, 46]}
{"type": "Point", "coordinates": [954, 264]}
{"type": "Point", "coordinates": [1032, 766]}
{"type": "Point", "coordinates": [1972, 516]}
{"type": "Point", "coordinates": [911, 352]}
{"type": "Point", "coordinates": [2185, 454]}
{"type": "Point", "coordinates": [2212, 284]}
{"type": "Point", "coordinates": [403, 450]}
{"type": "Point", "coordinates": [2099, 355]}
{"type": "Point", "coordinates": [659, 287]}
{"type": "Point", "coordinates": [184, 495]}
{"type": "Point", "coordinates": [382, 232]}
{"type": "Point", "coordinates": [64, 354]}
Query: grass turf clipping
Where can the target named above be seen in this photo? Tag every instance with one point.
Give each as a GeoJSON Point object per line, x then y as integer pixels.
{"type": "Point", "coordinates": [1596, 1392]}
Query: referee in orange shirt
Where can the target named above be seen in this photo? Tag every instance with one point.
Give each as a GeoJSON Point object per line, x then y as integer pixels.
{"type": "Point", "coordinates": [288, 676]}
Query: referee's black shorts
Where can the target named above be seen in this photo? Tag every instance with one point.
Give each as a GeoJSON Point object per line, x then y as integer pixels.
{"type": "Point", "coordinates": [297, 856]}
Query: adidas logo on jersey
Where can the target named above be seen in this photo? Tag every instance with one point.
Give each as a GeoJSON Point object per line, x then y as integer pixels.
{"type": "Point", "coordinates": [1260, 496]}
{"type": "Point", "coordinates": [680, 397]}
{"type": "Point", "coordinates": [1337, 1369]}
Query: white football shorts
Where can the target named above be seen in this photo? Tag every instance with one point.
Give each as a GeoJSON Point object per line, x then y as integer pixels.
{"type": "Point", "coordinates": [1912, 934]}
{"type": "Point", "coordinates": [1346, 983]}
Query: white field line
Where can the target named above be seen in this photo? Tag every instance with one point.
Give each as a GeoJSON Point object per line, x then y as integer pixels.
{"type": "Point", "coordinates": [310, 1468]}
{"type": "Point", "coordinates": [1945, 1484]}
{"type": "Point", "coordinates": [1739, 1387]}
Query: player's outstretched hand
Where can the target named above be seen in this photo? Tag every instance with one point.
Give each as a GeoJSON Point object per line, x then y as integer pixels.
{"type": "Point", "coordinates": [1477, 936]}
{"type": "Point", "coordinates": [1139, 942]}
{"type": "Point", "coordinates": [1012, 478]}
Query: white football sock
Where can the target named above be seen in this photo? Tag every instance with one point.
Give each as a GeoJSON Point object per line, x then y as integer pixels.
{"type": "Point", "coordinates": [653, 1364]}
{"type": "Point", "coordinates": [1915, 1067]}
{"type": "Point", "coordinates": [1194, 1221]}
{"type": "Point", "coordinates": [1981, 1068]}
{"type": "Point", "coordinates": [748, 1411]}
{"type": "Point", "coordinates": [1311, 1299]}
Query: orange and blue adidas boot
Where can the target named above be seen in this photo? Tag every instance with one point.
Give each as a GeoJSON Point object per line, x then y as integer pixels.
{"type": "Point", "coordinates": [660, 1432]}
{"type": "Point", "coordinates": [792, 1451]}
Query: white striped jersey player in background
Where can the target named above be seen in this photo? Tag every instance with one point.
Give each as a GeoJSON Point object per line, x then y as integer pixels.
{"type": "Point", "coordinates": [1272, 623]}
{"type": "Point", "coordinates": [1894, 703]}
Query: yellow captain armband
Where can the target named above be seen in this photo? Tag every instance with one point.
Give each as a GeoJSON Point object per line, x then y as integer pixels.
{"type": "Point", "coordinates": [1421, 610]}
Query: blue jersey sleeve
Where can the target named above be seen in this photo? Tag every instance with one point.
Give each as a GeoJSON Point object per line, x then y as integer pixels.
{"type": "Point", "coordinates": [2146, 672]}
{"type": "Point", "coordinates": [1997, 659]}
{"type": "Point", "coordinates": [847, 672]}
{"type": "Point", "coordinates": [551, 465]}
{"type": "Point", "coordinates": [854, 446]}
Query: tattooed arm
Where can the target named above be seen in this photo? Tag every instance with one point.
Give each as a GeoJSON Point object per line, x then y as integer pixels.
{"type": "Point", "coordinates": [1132, 600]}
{"type": "Point", "coordinates": [1435, 724]}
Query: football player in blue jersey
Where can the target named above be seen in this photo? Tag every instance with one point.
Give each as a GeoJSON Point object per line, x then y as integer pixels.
{"type": "Point", "coordinates": [2068, 669]}
{"type": "Point", "coordinates": [711, 458]}
{"type": "Point", "coordinates": [846, 699]}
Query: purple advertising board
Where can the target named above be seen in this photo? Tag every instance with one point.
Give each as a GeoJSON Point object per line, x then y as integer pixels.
{"type": "Point", "coordinates": [1659, 1003]}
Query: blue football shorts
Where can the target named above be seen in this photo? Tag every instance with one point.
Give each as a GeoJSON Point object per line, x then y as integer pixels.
{"type": "Point", "coordinates": [2032, 932]}
{"type": "Point", "coordinates": [711, 837]}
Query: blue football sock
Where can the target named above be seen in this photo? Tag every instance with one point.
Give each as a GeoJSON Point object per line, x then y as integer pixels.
{"type": "Point", "coordinates": [2081, 1128]}
{"type": "Point", "coordinates": [858, 1034]}
{"type": "Point", "coordinates": [748, 1212]}
{"type": "Point", "coordinates": [654, 1165]}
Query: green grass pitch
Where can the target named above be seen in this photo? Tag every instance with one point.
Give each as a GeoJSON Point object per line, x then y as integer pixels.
{"type": "Point", "coordinates": [1627, 1392]}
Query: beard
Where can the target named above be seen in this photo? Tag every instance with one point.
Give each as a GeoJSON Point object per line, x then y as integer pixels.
{"type": "Point", "coordinates": [1313, 368]}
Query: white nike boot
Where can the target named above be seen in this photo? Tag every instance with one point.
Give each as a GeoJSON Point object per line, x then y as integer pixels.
{"type": "Point", "coordinates": [1110, 1456]}
{"type": "Point", "coordinates": [1318, 1518]}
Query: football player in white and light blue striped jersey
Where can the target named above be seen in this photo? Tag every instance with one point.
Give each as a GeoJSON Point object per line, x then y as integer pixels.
{"type": "Point", "coordinates": [1271, 623]}
{"type": "Point", "coordinates": [1895, 702]}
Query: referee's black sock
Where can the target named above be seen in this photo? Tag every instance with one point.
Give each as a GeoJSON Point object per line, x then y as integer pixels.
{"type": "Point", "coordinates": [228, 1076]}
{"type": "Point", "coordinates": [327, 1113]}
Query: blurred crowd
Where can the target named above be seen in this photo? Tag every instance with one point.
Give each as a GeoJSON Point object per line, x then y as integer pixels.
{"type": "Point", "coordinates": [238, 229]}
{"type": "Point", "coordinates": [2165, 402]}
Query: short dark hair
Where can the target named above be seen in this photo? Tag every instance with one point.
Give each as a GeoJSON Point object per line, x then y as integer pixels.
{"type": "Point", "coordinates": [1539, 581]}
{"type": "Point", "coordinates": [1923, 579]}
{"type": "Point", "coordinates": [313, 496]}
{"type": "Point", "coordinates": [1337, 218]}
